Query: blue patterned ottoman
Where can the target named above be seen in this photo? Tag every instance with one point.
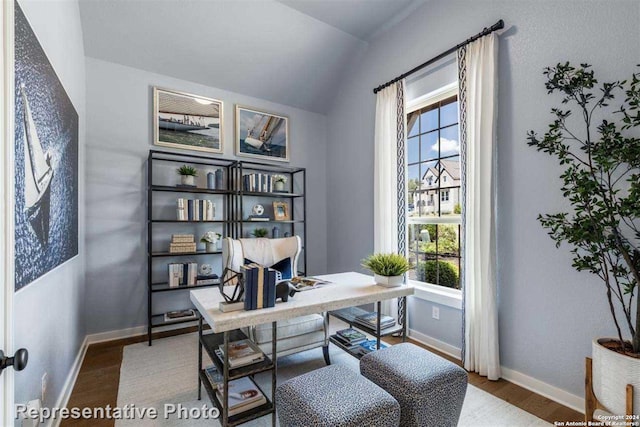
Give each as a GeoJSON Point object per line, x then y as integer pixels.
{"type": "Point", "coordinates": [335, 396]}
{"type": "Point", "coordinates": [430, 389]}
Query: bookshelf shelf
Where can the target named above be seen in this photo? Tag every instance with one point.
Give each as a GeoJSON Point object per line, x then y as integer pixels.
{"type": "Point", "coordinates": [348, 315]}
{"type": "Point", "coordinates": [171, 221]}
{"type": "Point", "coordinates": [172, 254]}
{"type": "Point", "coordinates": [269, 194]}
{"type": "Point", "coordinates": [177, 189]}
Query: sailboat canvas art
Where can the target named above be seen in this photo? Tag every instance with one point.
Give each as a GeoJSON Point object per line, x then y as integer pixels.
{"type": "Point", "coordinates": [46, 162]}
{"type": "Point", "coordinates": [261, 135]}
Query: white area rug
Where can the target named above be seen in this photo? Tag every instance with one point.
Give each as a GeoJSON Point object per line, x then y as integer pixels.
{"type": "Point", "coordinates": [166, 373]}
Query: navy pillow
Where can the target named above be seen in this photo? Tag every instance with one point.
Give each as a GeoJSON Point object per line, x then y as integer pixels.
{"type": "Point", "coordinates": [283, 266]}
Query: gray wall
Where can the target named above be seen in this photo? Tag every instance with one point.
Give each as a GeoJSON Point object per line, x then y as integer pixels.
{"type": "Point", "coordinates": [48, 313]}
{"type": "Point", "coordinates": [548, 312]}
{"type": "Point", "coordinates": [119, 105]}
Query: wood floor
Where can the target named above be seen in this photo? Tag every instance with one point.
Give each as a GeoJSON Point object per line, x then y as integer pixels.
{"type": "Point", "coordinates": [99, 377]}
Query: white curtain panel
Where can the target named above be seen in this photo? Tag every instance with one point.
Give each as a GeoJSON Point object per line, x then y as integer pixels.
{"type": "Point", "coordinates": [481, 351]}
{"type": "Point", "coordinates": [385, 197]}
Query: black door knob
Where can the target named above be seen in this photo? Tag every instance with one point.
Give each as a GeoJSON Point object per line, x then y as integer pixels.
{"type": "Point", "coordinates": [18, 361]}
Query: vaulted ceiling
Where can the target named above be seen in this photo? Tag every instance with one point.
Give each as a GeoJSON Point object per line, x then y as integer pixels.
{"type": "Point", "coordinates": [289, 51]}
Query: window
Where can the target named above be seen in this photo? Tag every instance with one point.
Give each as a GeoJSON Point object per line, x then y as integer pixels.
{"type": "Point", "coordinates": [433, 160]}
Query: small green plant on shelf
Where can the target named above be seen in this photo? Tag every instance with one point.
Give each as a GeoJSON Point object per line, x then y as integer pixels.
{"type": "Point", "coordinates": [260, 232]}
{"type": "Point", "coordinates": [187, 175]}
{"type": "Point", "coordinates": [185, 170]}
{"type": "Point", "coordinates": [389, 265]}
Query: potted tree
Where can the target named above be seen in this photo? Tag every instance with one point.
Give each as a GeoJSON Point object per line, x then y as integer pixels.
{"type": "Point", "coordinates": [388, 269]}
{"type": "Point", "coordinates": [601, 179]}
{"type": "Point", "coordinates": [188, 175]}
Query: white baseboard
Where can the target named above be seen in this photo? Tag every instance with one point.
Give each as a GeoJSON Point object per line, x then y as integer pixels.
{"type": "Point", "coordinates": [547, 390]}
{"type": "Point", "coordinates": [70, 382]}
{"type": "Point", "coordinates": [442, 346]}
{"type": "Point", "coordinates": [525, 381]}
{"type": "Point", "coordinates": [116, 335]}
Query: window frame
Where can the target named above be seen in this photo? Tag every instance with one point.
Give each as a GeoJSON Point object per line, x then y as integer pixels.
{"type": "Point", "coordinates": [431, 292]}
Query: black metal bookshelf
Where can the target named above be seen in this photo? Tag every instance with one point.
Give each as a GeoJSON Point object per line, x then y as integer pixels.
{"type": "Point", "coordinates": [234, 220]}
{"type": "Point", "coordinates": [294, 193]}
{"type": "Point", "coordinates": [168, 162]}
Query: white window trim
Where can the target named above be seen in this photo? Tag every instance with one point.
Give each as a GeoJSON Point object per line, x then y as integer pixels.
{"type": "Point", "coordinates": [427, 291]}
{"type": "Point", "coordinates": [438, 294]}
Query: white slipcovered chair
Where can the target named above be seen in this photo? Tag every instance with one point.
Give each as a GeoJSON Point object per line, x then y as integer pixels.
{"type": "Point", "coordinates": [294, 335]}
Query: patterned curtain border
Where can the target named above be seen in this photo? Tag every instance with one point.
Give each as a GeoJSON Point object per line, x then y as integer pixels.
{"type": "Point", "coordinates": [401, 159]}
{"type": "Point", "coordinates": [462, 120]}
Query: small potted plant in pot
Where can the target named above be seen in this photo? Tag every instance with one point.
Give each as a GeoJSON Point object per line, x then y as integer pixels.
{"type": "Point", "coordinates": [210, 239]}
{"type": "Point", "coordinates": [279, 182]}
{"type": "Point", "coordinates": [388, 269]}
{"type": "Point", "coordinates": [601, 179]}
{"type": "Point", "coordinates": [187, 175]}
{"type": "Point", "coordinates": [260, 232]}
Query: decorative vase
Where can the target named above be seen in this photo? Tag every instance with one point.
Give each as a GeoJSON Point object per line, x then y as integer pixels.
{"type": "Point", "coordinates": [389, 281]}
{"type": "Point", "coordinates": [211, 181]}
{"type": "Point", "coordinates": [219, 179]}
{"type": "Point", "coordinates": [612, 371]}
{"type": "Point", "coordinates": [275, 232]}
{"type": "Point", "coordinates": [188, 180]}
{"type": "Point", "coordinates": [279, 186]}
{"type": "Point", "coordinates": [211, 247]}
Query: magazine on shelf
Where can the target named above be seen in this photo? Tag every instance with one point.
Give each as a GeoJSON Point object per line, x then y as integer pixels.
{"type": "Point", "coordinates": [350, 336]}
{"type": "Point", "coordinates": [172, 316]}
{"type": "Point", "coordinates": [370, 320]}
{"type": "Point", "coordinates": [306, 283]}
{"type": "Point", "coordinates": [238, 362]}
{"type": "Point", "coordinates": [244, 394]}
{"type": "Point", "coordinates": [215, 377]}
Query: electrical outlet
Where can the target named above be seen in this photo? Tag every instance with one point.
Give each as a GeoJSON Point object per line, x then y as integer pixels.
{"type": "Point", "coordinates": [43, 386]}
{"type": "Point", "coordinates": [435, 312]}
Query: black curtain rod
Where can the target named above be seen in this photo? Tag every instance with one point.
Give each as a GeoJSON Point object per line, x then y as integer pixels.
{"type": "Point", "coordinates": [497, 26]}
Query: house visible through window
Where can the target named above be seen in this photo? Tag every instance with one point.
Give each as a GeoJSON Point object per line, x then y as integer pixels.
{"type": "Point", "coordinates": [433, 159]}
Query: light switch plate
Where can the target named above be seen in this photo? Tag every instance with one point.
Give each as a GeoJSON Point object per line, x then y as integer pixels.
{"type": "Point", "coordinates": [435, 312]}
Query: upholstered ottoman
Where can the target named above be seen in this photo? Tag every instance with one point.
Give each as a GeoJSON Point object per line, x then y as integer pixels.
{"type": "Point", "coordinates": [335, 396]}
{"type": "Point", "coordinates": [430, 389]}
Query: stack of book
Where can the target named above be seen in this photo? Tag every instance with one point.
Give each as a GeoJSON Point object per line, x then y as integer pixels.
{"type": "Point", "coordinates": [259, 286]}
{"type": "Point", "coordinates": [367, 347]}
{"type": "Point", "coordinates": [370, 320]}
{"type": "Point", "coordinates": [195, 210]}
{"type": "Point", "coordinates": [183, 274]}
{"type": "Point", "coordinates": [350, 338]}
{"type": "Point", "coordinates": [172, 316]}
{"type": "Point", "coordinates": [241, 353]}
{"type": "Point", "coordinates": [182, 243]}
{"type": "Point", "coordinates": [208, 279]}
{"type": "Point", "coordinates": [243, 392]}
{"type": "Point", "coordinates": [258, 182]}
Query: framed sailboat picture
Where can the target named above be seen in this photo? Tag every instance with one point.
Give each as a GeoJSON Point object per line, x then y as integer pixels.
{"type": "Point", "coordinates": [190, 122]}
{"type": "Point", "coordinates": [46, 162]}
{"type": "Point", "coordinates": [261, 135]}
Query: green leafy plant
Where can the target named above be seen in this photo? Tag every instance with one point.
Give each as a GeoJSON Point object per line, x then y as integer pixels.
{"type": "Point", "coordinates": [387, 264]}
{"type": "Point", "coordinates": [601, 179]}
{"type": "Point", "coordinates": [260, 232]}
{"type": "Point", "coordinates": [427, 271]}
{"type": "Point", "coordinates": [280, 178]}
{"type": "Point", "coordinates": [185, 170]}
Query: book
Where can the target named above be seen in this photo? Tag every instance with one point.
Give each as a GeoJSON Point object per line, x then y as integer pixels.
{"type": "Point", "coordinates": [175, 275]}
{"type": "Point", "coordinates": [370, 320]}
{"type": "Point", "coordinates": [260, 287]}
{"type": "Point", "coordinates": [215, 377]}
{"type": "Point", "coordinates": [306, 283]}
{"type": "Point", "coordinates": [242, 362]}
{"type": "Point", "coordinates": [171, 316]}
{"type": "Point", "coordinates": [201, 282]}
{"type": "Point", "coordinates": [351, 336]}
{"type": "Point", "coordinates": [371, 345]}
{"type": "Point", "coordinates": [248, 286]}
{"type": "Point", "coordinates": [243, 395]}
{"type": "Point", "coordinates": [258, 218]}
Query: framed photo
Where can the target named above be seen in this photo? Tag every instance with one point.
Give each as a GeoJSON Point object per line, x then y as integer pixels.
{"type": "Point", "coordinates": [261, 135]}
{"type": "Point", "coordinates": [190, 122]}
{"type": "Point", "coordinates": [281, 211]}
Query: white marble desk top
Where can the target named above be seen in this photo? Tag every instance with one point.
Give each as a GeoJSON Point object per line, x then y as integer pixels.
{"type": "Point", "coordinates": [345, 290]}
